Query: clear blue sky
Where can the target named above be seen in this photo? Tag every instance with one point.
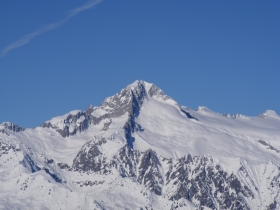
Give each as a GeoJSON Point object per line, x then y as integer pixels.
{"type": "Point", "coordinates": [221, 54]}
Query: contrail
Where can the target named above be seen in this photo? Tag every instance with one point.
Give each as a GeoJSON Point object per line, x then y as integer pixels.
{"type": "Point", "coordinates": [26, 38]}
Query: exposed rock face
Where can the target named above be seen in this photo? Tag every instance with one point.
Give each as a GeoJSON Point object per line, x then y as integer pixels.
{"type": "Point", "coordinates": [149, 172]}
{"type": "Point", "coordinates": [5, 148]}
{"type": "Point", "coordinates": [268, 146]}
{"type": "Point", "coordinates": [198, 179]}
{"type": "Point", "coordinates": [90, 157]}
{"type": "Point", "coordinates": [33, 166]}
{"type": "Point", "coordinates": [7, 126]}
{"type": "Point", "coordinates": [205, 183]}
{"type": "Point", "coordinates": [128, 101]}
{"type": "Point", "coordinates": [201, 180]}
{"type": "Point", "coordinates": [79, 122]}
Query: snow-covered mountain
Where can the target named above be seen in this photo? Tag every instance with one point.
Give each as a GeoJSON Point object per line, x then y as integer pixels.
{"type": "Point", "coordinates": [141, 150]}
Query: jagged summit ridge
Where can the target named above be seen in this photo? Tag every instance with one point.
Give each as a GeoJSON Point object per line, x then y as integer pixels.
{"type": "Point", "coordinates": [139, 145]}
{"type": "Point", "coordinates": [8, 126]}
{"type": "Point", "coordinates": [138, 90]}
{"type": "Point", "coordinates": [142, 83]}
{"type": "Point", "coordinates": [128, 101]}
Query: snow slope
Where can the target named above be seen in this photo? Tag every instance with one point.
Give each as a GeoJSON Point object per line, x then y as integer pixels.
{"type": "Point", "coordinates": [141, 149]}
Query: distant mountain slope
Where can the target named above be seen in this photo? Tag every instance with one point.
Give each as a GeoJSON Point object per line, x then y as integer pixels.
{"type": "Point", "coordinates": [141, 150]}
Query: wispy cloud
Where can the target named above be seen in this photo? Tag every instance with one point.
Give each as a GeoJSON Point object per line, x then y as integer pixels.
{"type": "Point", "coordinates": [26, 38]}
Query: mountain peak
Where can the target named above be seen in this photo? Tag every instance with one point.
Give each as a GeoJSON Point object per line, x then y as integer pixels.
{"type": "Point", "coordinates": [137, 92]}
{"type": "Point", "coordinates": [151, 90]}
{"type": "Point", "coordinates": [142, 83]}
{"type": "Point", "coordinates": [128, 101]}
{"type": "Point", "coordinates": [10, 126]}
{"type": "Point", "coordinates": [269, 113]}
{"type": "Point", "coordinates": [202, 109]}
{"type": "Point", "coordinates": [150, 151]}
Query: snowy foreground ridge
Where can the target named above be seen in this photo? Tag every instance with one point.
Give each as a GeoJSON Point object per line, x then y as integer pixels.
{"type": "Point", "coordinates": [141, 150]}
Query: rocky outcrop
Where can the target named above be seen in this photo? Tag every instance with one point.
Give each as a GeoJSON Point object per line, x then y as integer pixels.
{"type": "Point", "coordinates": [90, 157]}
{"type": "Point", "coordinates": [72, 124]}
{"type": "Point", "coordinates": [7, 126]}
{"type": "Point", "coordinates": [128, 101]}
{"type": "Point", "coordinates": [201, 181]}
{"type": "Point", "coordinates": [198, 179]}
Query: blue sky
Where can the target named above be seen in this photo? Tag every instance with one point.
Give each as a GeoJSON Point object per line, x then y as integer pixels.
{"type": "Point", "coordinates": [58, 56]}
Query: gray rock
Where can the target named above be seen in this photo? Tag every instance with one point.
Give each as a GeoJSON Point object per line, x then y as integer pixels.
{"type": "Point", "coordinates": [90, 158]}
{"type": "Point", "coordinates": [128, 100]}
{"type": "Point", "coordinates": [7, 126]}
